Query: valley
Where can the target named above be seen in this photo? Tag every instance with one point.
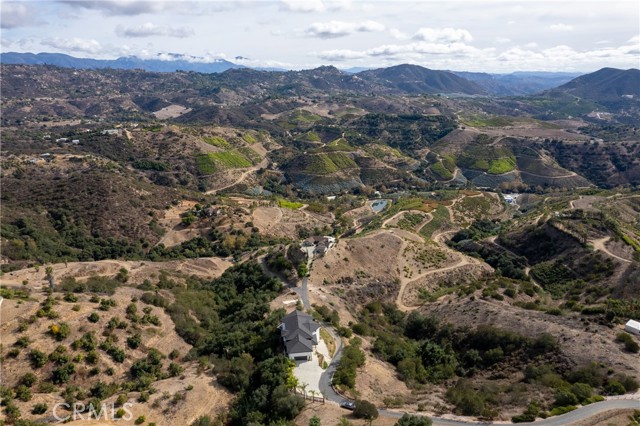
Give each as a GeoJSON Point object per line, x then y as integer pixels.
{"type": "Point", "coordinates": [460, 248]}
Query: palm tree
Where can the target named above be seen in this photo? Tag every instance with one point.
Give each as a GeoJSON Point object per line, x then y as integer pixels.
{"type": "Point", "coordinates": [313, 395]}
{"type": "Point", "coordinates": [303, 387]}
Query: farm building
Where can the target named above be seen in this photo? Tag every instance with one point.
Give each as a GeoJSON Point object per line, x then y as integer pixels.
{"type": "Point", "coordinates": [632, 327]}
{"type": "Point", "coordinates": [300, 335]}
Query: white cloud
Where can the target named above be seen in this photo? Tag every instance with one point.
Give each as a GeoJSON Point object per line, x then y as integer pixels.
{"type": "Point", "coordinates": [399, 35]}
{"type": "Point", "coordinates": [150, 30]}
{"type": "Point", "coordinates": [305, 6]}
{"type": "Point", "coordinates": [74, 45]}
{"type": "Point", "coordinates": [123, 7]}
{"type": "Point", "coordinates": [339, 55]}
{"type": "Point", "coordinates": [14, 15]}
{"type": "Point", "coordinates": [443, 35]}
{"type": "Point", "coordinates": [310, 6]}
{"type": "Point", "coordinates": [334, 29]}
{"type": "Point", "coordinates": [561, 27]}
{"type": "Point", "coordinates": [635, 39]}
{"type": "Point", "coordinates": [502, 40]}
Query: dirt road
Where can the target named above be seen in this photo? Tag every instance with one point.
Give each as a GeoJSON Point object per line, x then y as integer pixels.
{"type": "Point", "coordinates": [599, 244]}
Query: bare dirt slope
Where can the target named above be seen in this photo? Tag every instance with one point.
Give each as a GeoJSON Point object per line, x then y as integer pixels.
{"type": "Point", "coordinates": [177, 400]}
{"type": "Point", "coordinates": [206, 267]}
{"type": "Point", "coordinates": [283, 222]}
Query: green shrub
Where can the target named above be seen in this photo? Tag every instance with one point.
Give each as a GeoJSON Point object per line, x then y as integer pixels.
{"type": "Point", "coordinates": [562, 410]}
{"type": "Point", "coordinates": [39, 408]}
{"type": "Point", "coordinates": [365, 410]}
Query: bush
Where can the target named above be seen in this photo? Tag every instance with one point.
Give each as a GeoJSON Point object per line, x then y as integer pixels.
{"type": "Point", "coordinates": [38, 359]}
{"type": "Point", "coordinates": [562, 410]}
{"type": "Point", "coordinates": [60, 331]}
{"type": "Point", "coordinates": [365, 410]}
{"type": "Point", "coordinates": [94, 317]}
{"type": "Point", "coordinates": [28, 380]}
{"type": "Point", "coordinates": [409, 420]}
{"type": "Point", "coordinates": [630, 343]}
{"type": "Point", "coordinates": [565, 397]}
{"type": "Point", "coordinates": [39, 408]}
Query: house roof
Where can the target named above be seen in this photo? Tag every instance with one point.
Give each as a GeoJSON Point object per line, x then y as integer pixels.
{"type": "Point", "coordinates": [297, 330]}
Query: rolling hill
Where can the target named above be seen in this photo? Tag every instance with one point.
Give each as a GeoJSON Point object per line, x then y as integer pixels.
{"type": "Point", "coordinates": [605, 85]}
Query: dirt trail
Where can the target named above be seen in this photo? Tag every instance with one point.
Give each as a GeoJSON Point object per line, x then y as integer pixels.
{"type": "Point", "coordinates": [263, 164]}
{"type": "Point", "coordinates": [599, 244]}
{"type": "Point", "coordinates": [463, 260]}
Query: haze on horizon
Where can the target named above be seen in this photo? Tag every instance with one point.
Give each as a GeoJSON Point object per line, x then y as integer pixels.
{"type": "Point", "coordinates": [490, 36]}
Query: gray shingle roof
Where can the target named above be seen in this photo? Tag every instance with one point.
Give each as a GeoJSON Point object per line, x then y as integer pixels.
{"type": "Point", "coordinates": [297, 330]}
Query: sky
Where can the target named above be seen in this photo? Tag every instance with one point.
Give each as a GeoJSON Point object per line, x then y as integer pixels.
{"type": "Point", "coordinates": [491, 36]}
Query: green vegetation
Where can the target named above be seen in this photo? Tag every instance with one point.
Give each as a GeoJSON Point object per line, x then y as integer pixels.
{"type": "Point", "coordinates": [630, 343]}
{"type": "Point", "coordinates": [157, 166]}
{"type": "Point", "coordinates": [365, 410]}
{"type": "Point", "coordinates": [327, 163]}
{"type": "Point", "coordinates": [248, 138]}
{"type": "Point", "coordinates": [218, 141]}
{"type": "Point", "coordinates": [293, 205]}
{"type": "Point", "coordinates": [441, 171]}
{"type": "Point", "coordinates": [427, 351]}
{"type": "Point", "coordinates": [214, 162]}
{"type": "Point", "coordinates": [411, 420]}
{"type": "Point", "coordinates": [352, 359]}
{"type": "Point", "coordinates": [440, 218]}
{"type": "Point", "coordinates": [491, 159]}
{"type": "Point", "coordinates": [381, 152]}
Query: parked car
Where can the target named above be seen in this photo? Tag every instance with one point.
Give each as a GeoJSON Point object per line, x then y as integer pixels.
{"type": "Point", "coordinates": [349, 405]}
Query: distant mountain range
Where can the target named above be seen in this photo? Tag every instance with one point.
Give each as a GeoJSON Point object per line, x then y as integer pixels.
{"type": "Point", "coordinates": [518, 83]}
{"type": "Point", "coordinates": [125, 63]}
{"type": "Point", "coordinates": [608, 84]}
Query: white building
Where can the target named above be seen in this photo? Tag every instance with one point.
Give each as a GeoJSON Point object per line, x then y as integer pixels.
{"type": "Point", "coordinates": [632, 327]}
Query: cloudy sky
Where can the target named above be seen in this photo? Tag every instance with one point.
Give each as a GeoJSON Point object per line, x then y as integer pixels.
{"type": "Point", "coordinates": [493, 36]}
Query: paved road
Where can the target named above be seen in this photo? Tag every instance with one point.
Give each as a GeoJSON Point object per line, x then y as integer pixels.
{"type": "Point", "coordinates": [325, 380]}
{"type": "Point", "coordinates": [304, 293]}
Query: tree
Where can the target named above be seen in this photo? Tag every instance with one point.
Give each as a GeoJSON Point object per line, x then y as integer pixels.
{"type": "Point", "coordinates": [123, 275]}
{"type": "Point", "coordinates": [303, 388]}
{"type": "Point", "coordinates": [49, 276]}
{"type": "Point", "coordinates": [409, 420]}
{"type": "Point", "coordinates": [315, 421]}
{"type": "Point", "coordinates": [365, 410]}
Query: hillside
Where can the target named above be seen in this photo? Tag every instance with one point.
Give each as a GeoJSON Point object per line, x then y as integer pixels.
{"type": "Point", "coordinates": [605, 85]}
{"type": "Point", "coordinates": [416, 79]}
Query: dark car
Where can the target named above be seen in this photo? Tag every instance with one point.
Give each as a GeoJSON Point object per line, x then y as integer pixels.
{"type": "Point", "coordinates": [349, 405]}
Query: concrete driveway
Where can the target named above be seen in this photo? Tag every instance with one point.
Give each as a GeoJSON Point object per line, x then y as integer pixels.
{"type": "Point", "coordinates": [310, 372]}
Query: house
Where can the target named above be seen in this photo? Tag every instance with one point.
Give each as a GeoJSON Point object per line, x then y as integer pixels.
{"type": "Point", "coordinates": [321, 244]}
{"type": "Point", "coordinates": [632, 327]}
{"type": "Point", "coordinates": [300, 335]}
